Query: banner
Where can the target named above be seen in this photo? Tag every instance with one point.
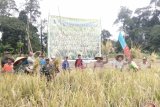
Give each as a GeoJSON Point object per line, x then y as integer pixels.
{"type": "Point", "coordinates": [71, 36]}
{"type": "Point", "coordinates": [124, 45]}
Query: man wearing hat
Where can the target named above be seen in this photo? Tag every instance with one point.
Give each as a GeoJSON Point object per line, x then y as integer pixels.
{"type": "Point", "coordinates": [119, 63]}
{"type": "Point", "coordinates": [145, 64]}
{"type": "Point", "coordinates": [99, 64]}
{"type": "Point", "coordinates": [8, 67]}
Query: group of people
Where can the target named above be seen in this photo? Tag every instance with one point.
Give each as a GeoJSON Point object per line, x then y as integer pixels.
{"type": "Point", "coordinates": [39, 64]}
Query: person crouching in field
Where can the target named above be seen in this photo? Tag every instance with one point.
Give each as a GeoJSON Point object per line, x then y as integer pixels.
{"type": "Point", "coordinates": [132, 65]}
{"type": "Point", "coordinates": [65, 64]}
{"type": "Point", "coordinates": [99, 64]}
{"type": "Point", "coordinates": [8, 67]}
{"type": "Point", "coordinates": [145, 64]}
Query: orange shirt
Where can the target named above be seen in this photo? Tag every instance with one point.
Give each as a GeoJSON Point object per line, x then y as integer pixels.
{"type": "Point", "coordinates": [7, 68]}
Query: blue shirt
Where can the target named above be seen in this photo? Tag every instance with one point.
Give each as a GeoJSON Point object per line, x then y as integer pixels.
{"type": "Point", "coordinates": [65, 65]}
{"type": "Point", "coordinates": [42, 61]}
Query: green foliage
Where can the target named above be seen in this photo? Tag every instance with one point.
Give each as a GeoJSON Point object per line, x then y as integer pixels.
{"type": "Point", "coordinates": [142, 27]}
{"type": "Point", "coordinates": [6, 48]}
{"type": "Point", "coordinates": [32, 8]}
{"type": "Point", "coordinates": [23, 16]}
{"type": "Point", "coordinates": [13, 29]}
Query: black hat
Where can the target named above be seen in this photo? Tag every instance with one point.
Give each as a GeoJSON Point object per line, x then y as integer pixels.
{"type": "Point", "coordinates": [118, 56]}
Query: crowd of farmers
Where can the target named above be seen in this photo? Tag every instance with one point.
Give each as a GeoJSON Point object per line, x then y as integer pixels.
{"type": "Point", "coordinates": [38, 63]}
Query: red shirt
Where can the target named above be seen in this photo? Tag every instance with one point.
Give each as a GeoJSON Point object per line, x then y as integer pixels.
{"type": "Point", "coordinates": [8, 68]}
{"type": "Point", "coordinates": [79, 63]}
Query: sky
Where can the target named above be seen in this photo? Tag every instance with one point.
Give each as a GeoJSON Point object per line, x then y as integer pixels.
{"type": "Point", "coordinates": [104, 10]}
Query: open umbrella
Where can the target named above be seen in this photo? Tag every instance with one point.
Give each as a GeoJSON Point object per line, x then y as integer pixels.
{"type": "Point", "coordinates": [18, 60]}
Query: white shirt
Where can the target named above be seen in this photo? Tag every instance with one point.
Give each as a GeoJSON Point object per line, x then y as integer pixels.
{"type": "Point", "coordinates": [118, 64]}
{"type": "Point", "coordinates": [30, 60]}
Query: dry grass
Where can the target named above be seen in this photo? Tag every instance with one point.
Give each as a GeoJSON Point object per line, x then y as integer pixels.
{"type": "Point", "coordinates": [136, 52]}
{"type": "Point", "coordinates": [108, 88]}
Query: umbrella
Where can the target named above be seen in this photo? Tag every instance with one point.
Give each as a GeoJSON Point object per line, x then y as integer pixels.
{"type": "Point", "coordinates": [18, 60]}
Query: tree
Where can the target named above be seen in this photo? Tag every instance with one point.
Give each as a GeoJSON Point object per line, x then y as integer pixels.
{"type": "Point", "coordinates": [106, 43]}
{"type": "Point", "coordinates": [156, 3]}
{"type": "Point", "coordinates": [124, 17]}
{"type": "Point", "coordinates": [142, 27]}
{"type": "Point", "coordinates": [23, 16]}
{"type": "Point", "coordinates": [31, 30]}
{"type": "Point", "coordinates": [105, 34]}
{"type": "Point", "coordinates": [32, 8]}
{"type": "Point", "coordinates": [13, 30]}
{"type": "Point", "coordinates": [7, 7]}
{"type": "Point", "coordinates": [44, 38]}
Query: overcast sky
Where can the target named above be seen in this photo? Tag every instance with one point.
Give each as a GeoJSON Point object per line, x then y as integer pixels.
{"type": "Point", "coordinates": [105, 10]}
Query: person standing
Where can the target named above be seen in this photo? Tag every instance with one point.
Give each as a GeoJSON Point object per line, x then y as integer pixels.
{"type": "Point", "coordinates": [79, 63]}
{"type": "Point", "coordinates": [47, 70]}
{"type": "Point", "coordinates": [119, 62]}
{"type": "Point", "coordinates": [99, 64]}
{"type": "Point", "coordinates": [30, 60]}
{"type": "Point", "coordinates": [65, 64]}
{"type": "Point", "coordinates": [42, 60]}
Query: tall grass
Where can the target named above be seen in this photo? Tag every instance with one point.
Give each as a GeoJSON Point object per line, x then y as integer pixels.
{"type": "Point", "coordinates": [136, 52]}
{"type": "Point", "coordinates": [109, 88]}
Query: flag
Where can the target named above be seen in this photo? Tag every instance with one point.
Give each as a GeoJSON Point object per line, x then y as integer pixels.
{"type": "Point", "coordinates": [124, 45]}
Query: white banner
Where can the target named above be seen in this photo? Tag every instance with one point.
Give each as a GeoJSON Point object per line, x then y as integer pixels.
{"type": "Point", "coordinates": [69, 37]}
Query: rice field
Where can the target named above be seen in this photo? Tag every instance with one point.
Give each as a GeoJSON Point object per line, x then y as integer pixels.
{"type": "Point", "coordinates": [108, 88]}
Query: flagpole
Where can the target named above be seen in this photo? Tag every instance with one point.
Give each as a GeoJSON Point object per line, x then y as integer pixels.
{"type": "Point", "coordinates": [48, 32]}
{"type": "Point", "coordinates": [100, 39]}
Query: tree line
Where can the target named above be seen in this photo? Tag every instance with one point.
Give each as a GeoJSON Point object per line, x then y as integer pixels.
{"type": "Point", "coordinates": [20, 33]}
{"type": "Point", "coordinates": [142, 26]}
{"type": "Point", "coordinates": [19, 26]}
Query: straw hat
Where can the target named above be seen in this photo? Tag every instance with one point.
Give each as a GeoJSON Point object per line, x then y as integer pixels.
{"type": "Point", "coordinates": [98, 57]}
{"type": "Point", "coordinates": [119, 55]}
{"type": "Point", "coordinates": [18, 59]}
